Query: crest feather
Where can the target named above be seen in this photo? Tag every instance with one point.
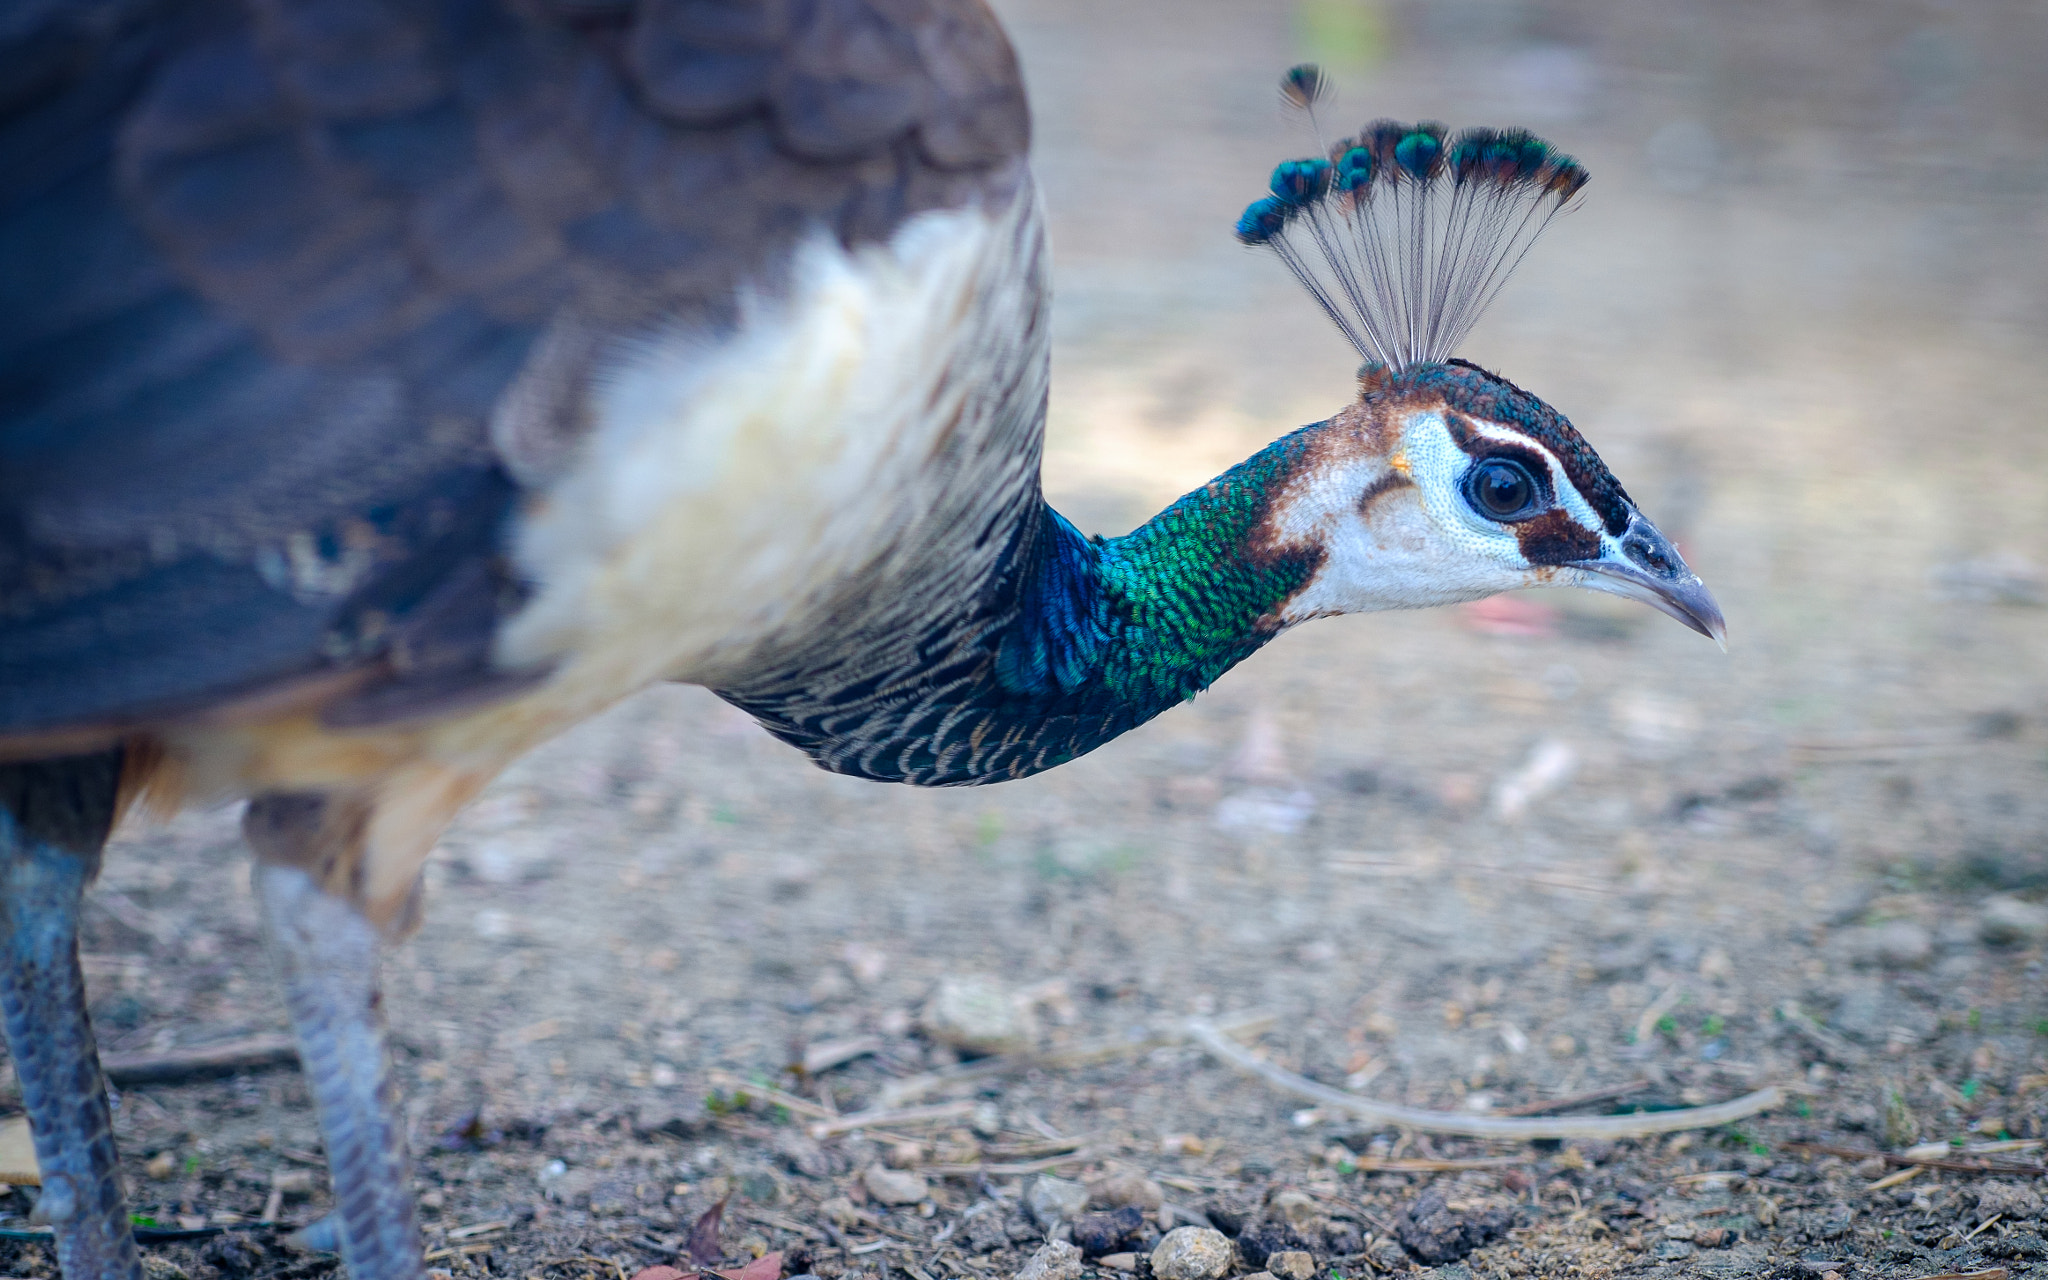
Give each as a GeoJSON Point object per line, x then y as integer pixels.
{"type": "Point", "coordinates": [1304, 86]}
{"type": "Point", "coordinates": [1406, 232]}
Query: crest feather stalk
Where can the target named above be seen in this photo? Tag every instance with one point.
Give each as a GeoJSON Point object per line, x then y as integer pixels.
{"type": "Point", "coordinates": [1406, 232]}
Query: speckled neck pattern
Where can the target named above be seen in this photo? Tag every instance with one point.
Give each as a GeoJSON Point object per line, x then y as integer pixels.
{"type": "Point", "coordinates": [1070, 643]}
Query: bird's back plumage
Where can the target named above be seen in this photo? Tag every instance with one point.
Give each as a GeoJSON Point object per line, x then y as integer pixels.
{"type": "Point", "coordinates": [306, 301]}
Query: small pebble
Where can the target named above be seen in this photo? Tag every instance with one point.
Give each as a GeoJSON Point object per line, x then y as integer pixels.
{"type": "Point", "coordinates": [1100, 1233]}
{"type": "Point", "coordinates": [1291, 1265]}
{"type": "Point", "coordinates": [1192, 1253]}
{"type": "Point", "coordinates": [1118, 1261]}
{"type": "Point", "coordinates": [1299, 1209]}
{"type": "Point", "coordinates": [839, 1211]}
{"type": "Point", "coordinates": [1259, 1242]}
{"type": "Point", "coordinates": [977, 1014]}
{"type": "Point", "coordinates": [1051, 1200]}
{"type": "Point", "coordinates": [894, 1186]}
{"type": "Point", "coordinates": [1895, 944]}
{"type": "Point", "coordinates": [2012, 922]}
{"type": "Point", "coordinates": [162, 1166]}
{"type": "Point", "coordinates": [2010, 1200]}
{"type": "Point", "coordinates": [905, 1155]}
{"type": "Point", "coordinates": [1129, 1188]}
{"type": "Point", "coordinates": [1055, 1260]}
{"type": "Point", "coordinates": [987, 1121]}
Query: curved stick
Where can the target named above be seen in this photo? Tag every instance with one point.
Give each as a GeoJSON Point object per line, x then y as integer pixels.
{"type": "Point", "coordinates": [1477, 1126]}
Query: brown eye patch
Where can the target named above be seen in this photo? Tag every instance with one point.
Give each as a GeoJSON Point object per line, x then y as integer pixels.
{"type": "Point", "coordinates": [1555, 538]}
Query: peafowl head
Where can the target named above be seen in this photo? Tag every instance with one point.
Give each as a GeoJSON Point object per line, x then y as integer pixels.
{"type": "Point", "coordinates": [1443, 482]}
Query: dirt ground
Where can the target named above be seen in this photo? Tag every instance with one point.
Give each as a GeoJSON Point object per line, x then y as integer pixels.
{"type": "Point", "coordinates": [1473, 859]}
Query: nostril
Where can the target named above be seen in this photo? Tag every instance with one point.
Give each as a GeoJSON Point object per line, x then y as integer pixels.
{"type": "Point", "coordinates": [1648, 554]}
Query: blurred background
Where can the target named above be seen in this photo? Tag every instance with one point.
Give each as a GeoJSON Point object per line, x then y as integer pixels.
{"type": "Point", "coordinates": [1470, 857]}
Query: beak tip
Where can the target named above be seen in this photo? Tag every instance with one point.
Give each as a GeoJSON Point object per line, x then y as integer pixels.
{"type": "Point", "coordinates": [1682, 597]}
{"type": "Point", "coordinates": [1699, 610]}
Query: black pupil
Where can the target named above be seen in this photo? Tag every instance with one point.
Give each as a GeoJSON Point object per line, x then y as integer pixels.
{"type": "Point", "coordinates": [1504, 489]}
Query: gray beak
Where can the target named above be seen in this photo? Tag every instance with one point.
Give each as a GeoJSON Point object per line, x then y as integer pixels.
{"type": "Point", "coordinates": [1648, 568]}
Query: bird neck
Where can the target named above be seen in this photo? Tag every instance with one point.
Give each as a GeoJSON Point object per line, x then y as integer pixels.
{"type": "Point", "coordinates": [1119, 630]}
{"type": "Point", "coordinates": [1069, 643]}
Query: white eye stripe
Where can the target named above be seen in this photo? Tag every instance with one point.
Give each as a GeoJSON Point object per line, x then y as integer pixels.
{"type": "Point", "coordinates": [1564, 492]}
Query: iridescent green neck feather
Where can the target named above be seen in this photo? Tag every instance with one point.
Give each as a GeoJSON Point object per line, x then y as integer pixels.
{"type": "Point", "coordinates": [1074, 642]}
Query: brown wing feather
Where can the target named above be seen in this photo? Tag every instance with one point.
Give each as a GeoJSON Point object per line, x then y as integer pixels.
{"type": "Point", "coordinates": [304, 293]}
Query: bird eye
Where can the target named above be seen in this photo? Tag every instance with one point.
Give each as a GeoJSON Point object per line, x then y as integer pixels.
{"type": "Point", "coordinates": [1502, 489]}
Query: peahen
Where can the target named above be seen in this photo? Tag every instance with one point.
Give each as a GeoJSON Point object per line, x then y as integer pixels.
{"type": "Point", "coordinates": [385, 388]}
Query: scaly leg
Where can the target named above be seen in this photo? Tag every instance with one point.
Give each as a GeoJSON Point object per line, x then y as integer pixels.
{"type": "Point", "coordinates": [54, 816]}
{"type": "Point", "coordinates": [326, 957]}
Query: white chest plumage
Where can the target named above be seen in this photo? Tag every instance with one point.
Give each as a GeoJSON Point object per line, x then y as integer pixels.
{"type": "Point", "coordinates": [727, 496]}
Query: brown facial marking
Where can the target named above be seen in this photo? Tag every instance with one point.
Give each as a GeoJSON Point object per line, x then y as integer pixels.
{"type": "Point", "coordinates": [1384, 485]}
{"type": "Point", "coordinates": [1555, 538]}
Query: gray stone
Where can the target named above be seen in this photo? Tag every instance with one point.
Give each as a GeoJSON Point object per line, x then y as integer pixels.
{"type": "Point", "coordinates": [1895, 944]}
{"type": "Point", "coordinates": [2011, 922]}
{"type": "Point", "coordinates": [1130, 1188]}
{"type": "Point", "coordinates": [1432, 1232]}
{"type": "Point", "coordinates": [2010, 1199]}
{"type": "Point", "coordinates": [2019, 1246]}
{"type": "Point", "coordinates": [1055, 1260]}
{"type": "Point", "coordinates": [1050, 1200]}
{"type": "Point", "coordinates": [839, 1211]}
{"type": "Point", "coordinates": [570, 1186]}
{"type": "Point", "coordinates": [983, 1223]}
{"type": "Point", "coordinates": [894, 1186]}
{"type": "Point", "coordinates": [1291, 1265]}
{"type": "Point", "coordinates": [1192, 1253]}
{"type": "Point", "coordinates": [978, 1014]}
{"type": "Point", "coordinates": [1297, 1208]}
{"type": "Point", "coordinates": [1115, 1232]}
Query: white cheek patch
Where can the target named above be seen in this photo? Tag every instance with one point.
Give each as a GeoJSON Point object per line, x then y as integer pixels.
{"type": "Point", "coordinates": [1564, 492]}
{"type": "Point", "coordinates": [1438, 466]}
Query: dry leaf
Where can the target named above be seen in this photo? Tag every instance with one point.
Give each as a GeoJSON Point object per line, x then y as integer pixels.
{"type": "Point", "coordinates": [703, 1248]}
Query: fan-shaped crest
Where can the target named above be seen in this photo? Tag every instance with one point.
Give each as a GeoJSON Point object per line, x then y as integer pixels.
{"type": "Point", "coordinates": [1406, 232]}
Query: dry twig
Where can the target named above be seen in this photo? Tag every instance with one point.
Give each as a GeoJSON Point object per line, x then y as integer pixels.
{"type": "Point", "coordinates": [1481, 1126]}
{"type": "Point", "coordinates": [739, 1084]}
{"type": "Point", "coordinates": [902, 1115]}
{"type": "Point", "coordinates": [1899, 1161]}
{"type": "Point", "coordinates": [1576, 1100]}
{"type": "Point", "coordinates": [249, 1054]}
{"type": "Point", "coordinates": [1105, 1049]}
{"type": "Point", "coordinates": [1006, 1170]}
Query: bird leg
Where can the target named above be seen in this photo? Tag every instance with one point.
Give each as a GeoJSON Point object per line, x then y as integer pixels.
{"type": "Point", "coordinates": [54, 817]}
{"type": "Point", "coordinates": [326, 956]}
